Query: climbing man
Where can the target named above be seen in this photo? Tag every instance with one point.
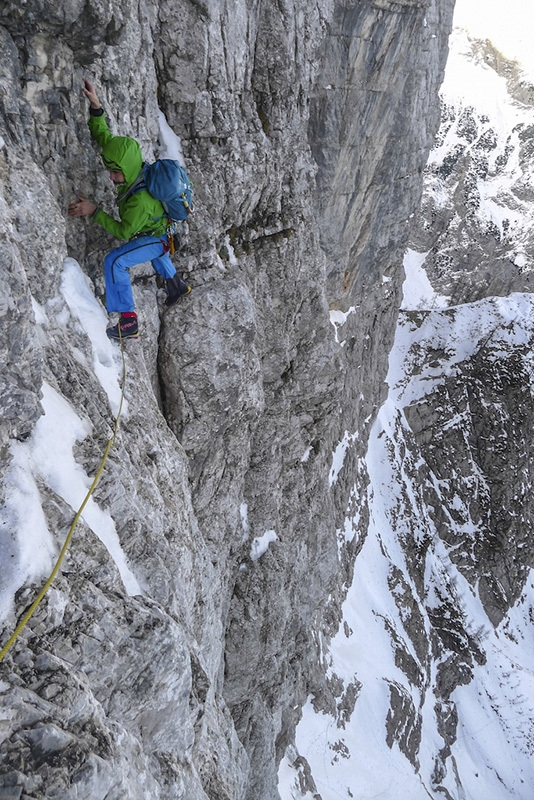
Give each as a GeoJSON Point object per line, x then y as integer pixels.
{"type": "Point", "coordinates": [143, 224]}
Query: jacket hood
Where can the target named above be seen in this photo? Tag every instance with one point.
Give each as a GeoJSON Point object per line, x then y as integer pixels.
{"type": "Point", "coordinates": [124, 154]}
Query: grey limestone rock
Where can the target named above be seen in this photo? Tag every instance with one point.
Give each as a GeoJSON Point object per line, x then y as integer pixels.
{"type": "Point", "coordinates": [305, 129]}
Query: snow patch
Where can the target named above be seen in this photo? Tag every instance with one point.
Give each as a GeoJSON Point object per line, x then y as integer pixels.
{"type": "Point", "coordinates": [52, 444]}
{"type": "Point", "coordinates": [417, 291]}
{"type": "Point", "coordinates": [170, 142]}
{"type": "Point", "coordinates": [77, 292]}
{"type": "Point", "coordinates": [47, 456]}
{"type": "Point", "coordinates": [261, 543]}
{"type": "Point", "coordinates": [338, 319]}
{"type": "Point", "coordinates": [306, 455]}
{"type": "Point", "coordinates": [26, 546]}
{"type": "Point", "coordinates": [243, 510]}
{"type": "Point", "coordinates": [338, 456]}
{"type": "Point", "coordinates": [232, 258]}
{"type": "Point", "coordinates": [39, 312]}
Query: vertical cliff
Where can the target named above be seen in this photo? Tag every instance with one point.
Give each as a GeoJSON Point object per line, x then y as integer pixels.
{"type": "Point", "coordinates": [175, 651]}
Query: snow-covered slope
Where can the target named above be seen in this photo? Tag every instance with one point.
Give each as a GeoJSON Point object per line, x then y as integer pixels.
{"type": "Point", "coordinates": [48, 457]}
{"type": "Point", "coordinates": [429, 696]}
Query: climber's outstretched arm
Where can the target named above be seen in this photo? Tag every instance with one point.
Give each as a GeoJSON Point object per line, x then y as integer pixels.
{"type": "Point", "coordinates": [90, 93]}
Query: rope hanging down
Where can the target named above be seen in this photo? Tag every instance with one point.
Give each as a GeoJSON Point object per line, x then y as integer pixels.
{"type": "Point", "coordinates": [27, 616]}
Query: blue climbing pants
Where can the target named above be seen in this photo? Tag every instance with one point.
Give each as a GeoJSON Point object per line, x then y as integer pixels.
{"type": "Point", "coordinates": [117, 265]}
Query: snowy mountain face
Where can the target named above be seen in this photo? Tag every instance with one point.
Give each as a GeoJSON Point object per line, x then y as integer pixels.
{"type": "Point", "coordinates": [207, 592]}
{"type": "Point", "coordinates": [431, 674]}
{"type": "Point", "coordinates": [476, 217]}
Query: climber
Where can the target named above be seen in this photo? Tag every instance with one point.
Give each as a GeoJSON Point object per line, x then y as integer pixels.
{"type": "Point", "coordinates": [143, 224]}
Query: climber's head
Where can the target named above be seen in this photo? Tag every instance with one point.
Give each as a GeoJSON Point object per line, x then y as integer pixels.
{"type": "Point", "coordinates": [115, 174]}
{"type": "Point", "coordinates": [122, 158]}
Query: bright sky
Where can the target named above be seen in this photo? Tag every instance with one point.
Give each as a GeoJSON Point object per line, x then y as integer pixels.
{"type": "Point", "coordinates": [508, 23]}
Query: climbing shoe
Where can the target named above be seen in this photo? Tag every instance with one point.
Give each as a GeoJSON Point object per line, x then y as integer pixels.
{"type": "Point", "coordinates": [176, 288]}
{"type": "Point", "coordinates": [128, 327]}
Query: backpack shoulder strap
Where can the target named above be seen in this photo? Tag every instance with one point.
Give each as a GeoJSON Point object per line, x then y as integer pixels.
{"type": "Point", "coordinates": [137, 186]}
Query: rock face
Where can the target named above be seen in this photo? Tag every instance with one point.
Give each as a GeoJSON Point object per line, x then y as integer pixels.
{"type": "Point", "coordinates": [175, 651]}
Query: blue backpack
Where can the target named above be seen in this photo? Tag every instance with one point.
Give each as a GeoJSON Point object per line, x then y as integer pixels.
{"type": "Point", "coordinates": [167, 182]}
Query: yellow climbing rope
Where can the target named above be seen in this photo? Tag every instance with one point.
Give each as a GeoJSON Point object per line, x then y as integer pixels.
{"type": "Point", "coordinates": [23, 622]}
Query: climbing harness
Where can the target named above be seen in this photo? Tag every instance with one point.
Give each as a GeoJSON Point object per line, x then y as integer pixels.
{"type": "Point", "coordinates": [23, 622]}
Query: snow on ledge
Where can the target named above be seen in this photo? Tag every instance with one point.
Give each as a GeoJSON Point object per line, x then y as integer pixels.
{"type": "Point", "coordinates": [338, 456]}
{"type": "Point", "coordinates": [29, 553]}
{"type": "Point", "coordinates": [338, 319]}
{"type": "Point", "coordinates": [261, 543]}
{"type": "Point", "coordinates": [170, 142]}
{"type": "Point", "coordinates": [417, 291]}
{"type": "Point", "coordinates": [83, 306]}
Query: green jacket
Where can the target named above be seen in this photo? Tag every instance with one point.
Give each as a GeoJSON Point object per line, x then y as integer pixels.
{"type": "Point", "coordinates": [140, 212]}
